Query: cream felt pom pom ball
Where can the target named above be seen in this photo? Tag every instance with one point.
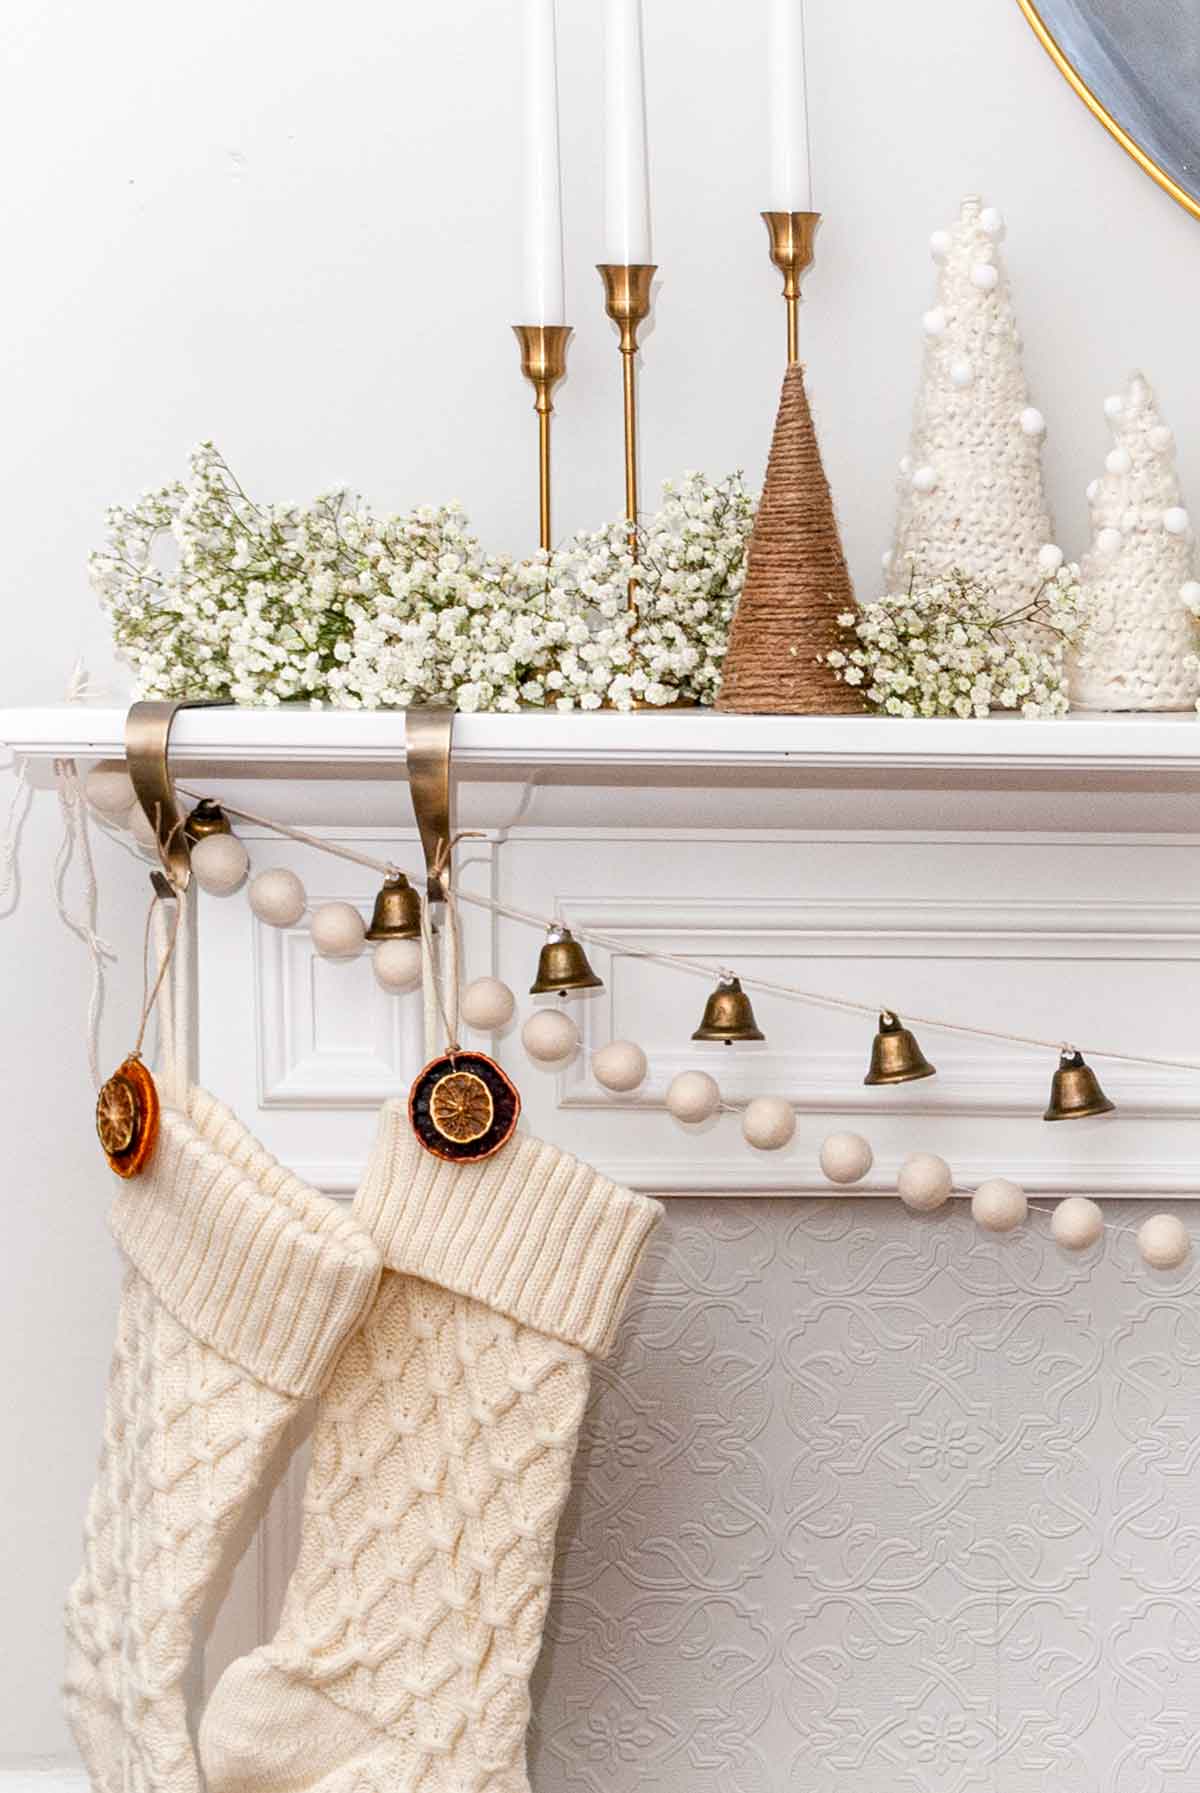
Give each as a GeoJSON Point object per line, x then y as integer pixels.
{"type": "Point", "coordinates": [397, 964]}
{"type": "Point", "coordinates": [1032, 421]}
{"type": "Point", "coordinates": [984, 276]}
{"type": "Point", "coordinates": [768, 1123]}
{"type": "Point", "coordinates": [924, 1182]}
{"type": "Point", "coordinates": [1076, 1223]}
{"type": "Point", "coordinates": [940, 244]}
{"type": "Point", "coordinates": [846, 1157]}
{"type": "Point", "coordinates": [1164, 1242]}
{"type": "Point", "coordinates": [961, 373]}
{"type": "Point", "coordinates": [487, 1003]}
{"type": "Point", "coordinates": [1050, 558]}
{"type": "Point", "coordinates": [338, 930]}
{"type": "Point", "coordinates": [549, 1036]}
{"type": "Point", "coordinates": [109, 790]}
{"type": "Point", "coordinates": [278, 897]}
{"type": "Point", "coordinates": [998, 1205]}
{"type": "Point", "coordinates": [220, 863]}
{"type": "Point", "coordinates": [1175, 520]}
{"type": "Point", "coordinates": [693, 1096]}
{"type": "Point", "coordinates": [142, 829]}
{"type": "Point", "coordinates": [924, 479]}
{"type": "Point", "coordinates": [621, 1065]}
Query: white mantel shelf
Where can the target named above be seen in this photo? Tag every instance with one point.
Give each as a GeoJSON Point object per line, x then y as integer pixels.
{"type": "Point", "coordinates": [345, 741]}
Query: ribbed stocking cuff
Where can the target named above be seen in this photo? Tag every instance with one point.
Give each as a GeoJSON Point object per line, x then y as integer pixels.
{"type": "Point", "coordinates": [252, 1261]}
{"type": "Point", "coordinates": [531, 1231]}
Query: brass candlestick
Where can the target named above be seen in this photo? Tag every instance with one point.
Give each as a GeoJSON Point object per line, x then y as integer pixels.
{"type": "Point", "coordinates": [543, 362]}
{"type": "Point", "coordinates": [627, 302]}
{"type": "Point", "coordinates": [792, 235]}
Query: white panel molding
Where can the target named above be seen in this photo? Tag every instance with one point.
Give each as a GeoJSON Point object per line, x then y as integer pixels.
{"type": "Point", "coordinates": [294, 1069]}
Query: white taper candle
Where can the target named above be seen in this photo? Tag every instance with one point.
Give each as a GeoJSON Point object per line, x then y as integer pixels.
{"type": "Point", "coordinates": [626, 169]}
{"type": "Point", "coordinates": [543, 297]}
{"type": "Point", "coordinates": [791, 175]}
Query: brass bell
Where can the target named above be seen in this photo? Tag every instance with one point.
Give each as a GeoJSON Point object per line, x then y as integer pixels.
{"type": "Point", "coordinates": [1075, 1091]}
{"type": "Point", "coordinates": [207, 818]}
{"type": "Point", "coordinates": [728, 1015]}
{"type": "Point", "coordinates": [562, 966]}
{"type": "Point", "coordinates": [895, 1054]}
{"type": "Point", "coordinates": [397, 911]}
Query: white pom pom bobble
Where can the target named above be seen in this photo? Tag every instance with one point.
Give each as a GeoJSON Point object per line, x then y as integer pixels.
{"type": "Point", "coordinates": [1032, 421]}
{"type": "Point", "coordinates": [621, 1065]}
{"type": "Point", "coordinates": [109, 790]}
{"type": "Point", "coordinates": [693, 1096]}
{"type": "Point", "coordinates": [1175, 520]}
{"type": "Point", "coordinates": [961, 373]}
{"type": "Point", "coordinates": [1076, 1223]}
{"type": "Point", "coordinates": [934, 322]}
{"type": "Point", "coordinates": [940, 244]}
{"type": "Point", "coordinates": [397, 965]}
{"type": "Point", "coordinates": [1050, 558]}
{"type": "Point", "coordinates": [278, 897]}
{"type": "Point", "coordinates": [991, 223]}
{"type": "Point", "coordinates": [487, 1003]}
{"type": "Point", "coordinates": [1109, 541]}
{"type": "Point", "coordinates": [1118, 460]}
{"type": "Point", "coordinates": [338, 930]}
{"type": "Point", "coordinates": [846, 1157]}
{"type": "Point", "coordinates": [924, 1182]}
{"type": "Point", "coordinates": [924, 479]}
{"type": "Point", "coordinates": [220, 863]}
{"type": "Point", "coordinates": [1189, 591]}
{"type": "Point", "coordinates": [141, 829]}
{"type": "Point", "coordinates": [550, 1036]}
{"type": "Point", "coordinates": [1164, 1242]}
{"type": "Point", "coordinates": [768, 1123]}
{"type": "Point", "coordinates": [998, 1205]}
{"type": "Point", "coordinates": [1113, 406]}
{"type": "Point", "coordinates": [984, 276]}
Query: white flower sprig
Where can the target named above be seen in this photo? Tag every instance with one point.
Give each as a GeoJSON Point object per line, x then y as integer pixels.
{"type": "Point", "coordinates": [951, 647]}
{"type": "Point", "coordinates": [211, 594]}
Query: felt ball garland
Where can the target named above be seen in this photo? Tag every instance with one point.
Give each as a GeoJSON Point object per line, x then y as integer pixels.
{"type": "Point", "coordinates": [550, 1036]}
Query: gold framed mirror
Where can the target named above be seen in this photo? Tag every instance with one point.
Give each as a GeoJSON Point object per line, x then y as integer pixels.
{"type": "Point", "coordinates": [1136, 67]}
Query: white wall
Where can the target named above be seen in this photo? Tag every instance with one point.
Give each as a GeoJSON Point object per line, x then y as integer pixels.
{"type": "Point", "coordinates": [293, 229]}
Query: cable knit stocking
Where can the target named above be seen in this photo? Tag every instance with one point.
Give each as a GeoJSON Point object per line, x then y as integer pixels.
{"type": "Point", "coordinates": [441, 1462]}
{"type": "Point", "coordinates": [243, 1283]}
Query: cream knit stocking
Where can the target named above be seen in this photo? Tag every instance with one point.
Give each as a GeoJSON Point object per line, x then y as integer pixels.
{"type": "Point", "coordinates": [242, 1285]}
{"type": "Point", "coordinates": [441, 1462]}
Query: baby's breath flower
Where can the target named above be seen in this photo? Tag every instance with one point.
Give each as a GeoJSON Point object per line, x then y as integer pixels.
{"type": "Point", "coordinates": [952, 647]}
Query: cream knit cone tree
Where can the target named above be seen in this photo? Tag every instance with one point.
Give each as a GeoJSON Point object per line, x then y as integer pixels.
{"type": "Point", "coordinates": [1139, 576]}
{"type": "Point", "coordinates": [970, 487]}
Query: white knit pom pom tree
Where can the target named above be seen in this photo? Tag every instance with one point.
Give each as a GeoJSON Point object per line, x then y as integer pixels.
{"type": "Point", "coordinates": [971, 496]}
{"type": "Point", "coordinates": [1139, 576]}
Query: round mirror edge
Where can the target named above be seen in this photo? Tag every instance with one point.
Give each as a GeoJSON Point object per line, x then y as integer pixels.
{"type": "Point", "coordinates": [1066, 68]}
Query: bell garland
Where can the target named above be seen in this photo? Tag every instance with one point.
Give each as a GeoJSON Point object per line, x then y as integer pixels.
{"type": "Point", "coordinates": [464, 1107]}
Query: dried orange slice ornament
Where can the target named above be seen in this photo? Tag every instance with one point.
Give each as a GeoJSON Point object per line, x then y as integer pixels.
{"type": "Point", "coordinates": [127, 1111]}
{"type": "Point", "coordinates": [463, 1107]}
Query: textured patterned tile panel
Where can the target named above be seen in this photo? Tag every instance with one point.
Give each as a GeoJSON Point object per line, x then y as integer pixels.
{"type": "Point", "coordinates": [878, 1503]}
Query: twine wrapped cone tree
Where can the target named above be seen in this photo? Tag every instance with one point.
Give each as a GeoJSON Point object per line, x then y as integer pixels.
{"type": "Point", "coordinates": [796, 582]}
{"type": "Point", "coordinates": [971, 498]}
{"type": "Point", "coordinates": [1139, 576]}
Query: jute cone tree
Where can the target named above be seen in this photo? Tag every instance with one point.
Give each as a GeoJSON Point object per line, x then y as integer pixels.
{"type": "Point", "coordinates": [1139, 576]}
{"type": "Point", "coordinates": [970, 487]}
{"type": "Point", "coordinates": [796, 582]}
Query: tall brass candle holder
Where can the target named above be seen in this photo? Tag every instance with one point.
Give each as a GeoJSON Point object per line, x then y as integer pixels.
{"type": "Point", "coordinates": [792, 236]}
{"type": "Point", "coordinates": [627, 302]}
{"type": "Point", "coordinates": [543, 362]}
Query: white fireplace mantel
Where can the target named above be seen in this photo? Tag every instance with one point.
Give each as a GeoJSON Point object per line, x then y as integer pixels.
{"type": "Point", "coordinates": [1040, 877]}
